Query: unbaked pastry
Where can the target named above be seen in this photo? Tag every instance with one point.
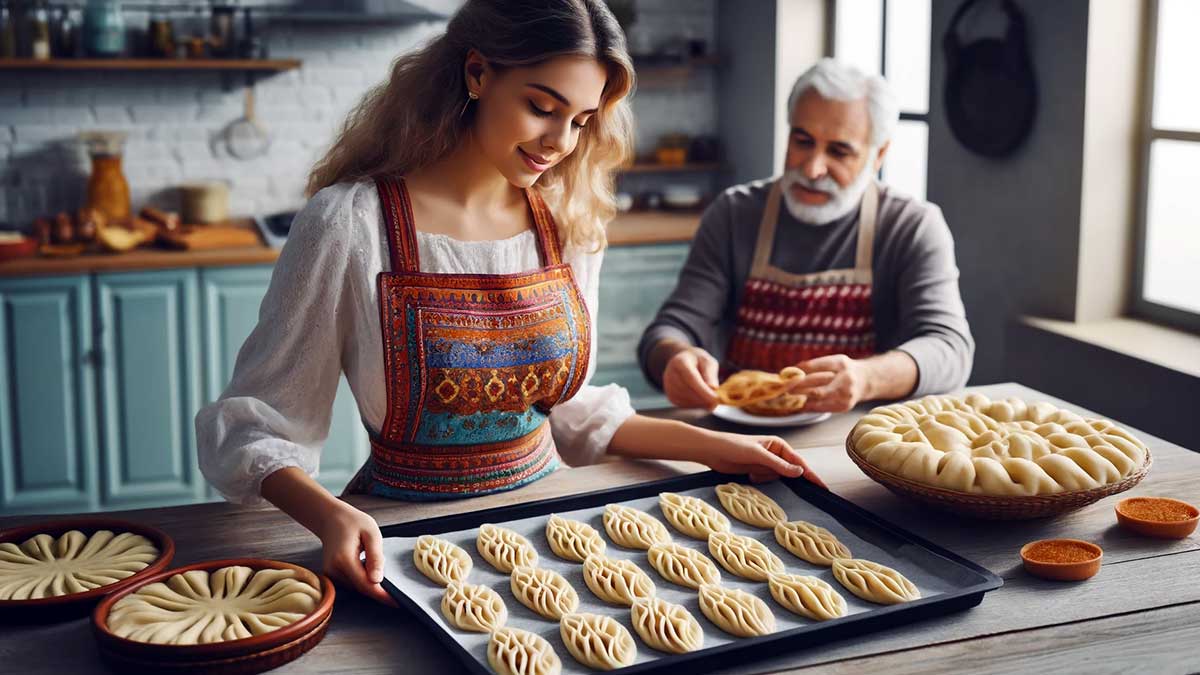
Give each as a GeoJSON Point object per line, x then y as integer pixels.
{"type": "Point", "coordinates": [441, 561]}
{"type": "Point", "coordinates": [874, 582]}
{"type": "Point", "coordinates": [598, 641]}
{"type": "Point", "coordinates": [666, 626]}
{"type": "Point", "coordinates": [682, 565]}
{"type": "Point", "coordinates": [504, 549]}
{"type": "Point", "coordinates": [633, 528]}
{"type": "Point", "coordinates": [746, 557]}
{"type": "Point", "coordinates": [747, 387]}
{"type": "Point", "coordinates": [473, 607]}
{"type": "Point", "coordinates": [807, 596]}
{"type": "Point", "coordinates": [201, 607]}
{"type": "Point", "coordinates": [750, 505]}
{"type": "Point", "coordinates": [512, 651]}
{"type": "Point", "coordinates": [1008, 447]}
{"type": "Point", "coordinates": [544, 591]}
{"type": "Point", "coordinates": [44, 566]}
{"type": "Point", "coordinates": [811, 543]}
{"type": "Point", "coordinates": [617, 581]}
{"type": "Point", "coordinates": [694, 517]}
{"type": "Point", "coordinates": [735, 611]}
{"type": "Point", "coordinates": [571, 539]}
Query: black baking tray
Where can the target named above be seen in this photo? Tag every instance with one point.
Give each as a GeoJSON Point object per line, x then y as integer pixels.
{"type": "Point", "coordinates": [970, 581]}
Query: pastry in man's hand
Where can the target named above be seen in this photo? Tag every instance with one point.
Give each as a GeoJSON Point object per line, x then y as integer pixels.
{"type": "Point", "coordinates": [748, 387]}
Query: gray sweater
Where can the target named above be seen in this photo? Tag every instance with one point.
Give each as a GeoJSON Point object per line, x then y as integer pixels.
{"type": "Point", "coordinates": [916, 301]}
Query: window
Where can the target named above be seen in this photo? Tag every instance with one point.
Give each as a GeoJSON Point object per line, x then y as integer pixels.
{"type": "Point", "coordinates": [1167, 276]}
{"type": "Point", "coordinates": [891, 37]}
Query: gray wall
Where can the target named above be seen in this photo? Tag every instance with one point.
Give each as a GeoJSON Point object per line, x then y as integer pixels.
{"type": "Point", "coordinates": [1016, 220]}
{"type": "Point", "coordinates": [746, 114]}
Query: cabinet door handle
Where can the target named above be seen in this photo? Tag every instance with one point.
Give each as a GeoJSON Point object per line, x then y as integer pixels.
{"type": "Point", "coordinates": [94, 357]}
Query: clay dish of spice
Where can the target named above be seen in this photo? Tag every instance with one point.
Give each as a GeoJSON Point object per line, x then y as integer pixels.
{"type": "Point", "coordinates": [1158, 517]}
{"type": "Point", "coordinates": [1062, 559]}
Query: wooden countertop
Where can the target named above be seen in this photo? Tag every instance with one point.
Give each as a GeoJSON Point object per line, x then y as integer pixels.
{"type": "Point", "coordinates": [628, 229]}
{"type": "Point", "coordinates": [1137, 615]}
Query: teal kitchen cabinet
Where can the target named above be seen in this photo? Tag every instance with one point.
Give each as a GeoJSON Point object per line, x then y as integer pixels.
{"type": "Point", "coordinates": [634, 282]}
{"type": "Point", "coordinates": [48, 443]}
{"type": "Point", "coordinates": [232, 296]}
{"type": "Point", "coordinates": [148, 334]}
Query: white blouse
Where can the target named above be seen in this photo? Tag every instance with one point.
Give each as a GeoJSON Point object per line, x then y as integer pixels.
{"type": "Point", "coordinates": [320, 318]}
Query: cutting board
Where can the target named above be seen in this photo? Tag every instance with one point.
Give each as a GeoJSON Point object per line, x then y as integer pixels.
{"type": "Point", "coordinates": [203, 237]}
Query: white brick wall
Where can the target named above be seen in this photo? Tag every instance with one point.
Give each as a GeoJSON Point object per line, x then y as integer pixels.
{"type": "Point", "coordinates": [175, 119]}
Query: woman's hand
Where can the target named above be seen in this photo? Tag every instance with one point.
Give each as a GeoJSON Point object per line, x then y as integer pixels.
{"type": "Point", "coordinates": [344, 533]}
{"type": "Point", "coordinates": [763, 458]}
{"type": "Point", "coordinates": [690, 379]}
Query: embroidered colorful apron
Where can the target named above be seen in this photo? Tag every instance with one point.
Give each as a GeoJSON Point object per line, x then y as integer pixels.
{"type": "Point", "coordinates": [473, 364]}
{"type": "Point", "coordinates": [788, 318]}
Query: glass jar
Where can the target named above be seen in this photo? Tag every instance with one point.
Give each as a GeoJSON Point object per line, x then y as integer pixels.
{"type": "Point", "coordinates": [39, 32]}
{"type": "Point", "coordinates": [162, 35]}
{"type": "Point", "coordinates": [8, 32]}
{"type": "Point", "coordinates": [107, 189]}
{"type": "Point", "coordinates": [103, 28]}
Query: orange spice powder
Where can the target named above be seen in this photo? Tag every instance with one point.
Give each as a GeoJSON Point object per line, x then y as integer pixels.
{"type": "Point", "coordinates": [1157, 509]}
{"type": "Point", "coordinates": [1060, 552]}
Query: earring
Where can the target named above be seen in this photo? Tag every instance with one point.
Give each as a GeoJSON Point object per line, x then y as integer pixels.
{"type": "Point", "coordinates": [471, 96]}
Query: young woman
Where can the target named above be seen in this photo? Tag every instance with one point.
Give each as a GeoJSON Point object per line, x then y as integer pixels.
{"type": "Point", "coordinates": [447, 262]}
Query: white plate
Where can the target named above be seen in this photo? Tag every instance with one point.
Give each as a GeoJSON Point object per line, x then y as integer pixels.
{"type": "Point", "coordinates": [732, 414]}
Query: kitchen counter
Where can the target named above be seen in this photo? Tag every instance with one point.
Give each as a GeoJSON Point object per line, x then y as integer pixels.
{"type": "Point", "coordinates": [1137, 615]}
{"type": "Point", "coordinates": [635, 228]}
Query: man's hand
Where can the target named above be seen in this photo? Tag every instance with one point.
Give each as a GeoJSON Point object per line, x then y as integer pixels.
{"type": "Point", "coordinates": [690, 379]}
{"type": "Point", "coordinates": [834, 383]}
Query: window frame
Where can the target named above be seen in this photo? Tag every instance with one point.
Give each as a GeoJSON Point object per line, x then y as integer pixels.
{"type": "Point", "coordinates": [1140, 306]}
{"type": "Point", "coordinates": [831, 7]}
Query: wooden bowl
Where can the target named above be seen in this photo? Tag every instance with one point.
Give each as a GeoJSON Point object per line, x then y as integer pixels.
{"type": "Point", "coordinates": [1163, 529]}
{"type": "Point", "coordinates": [1062, 571]}
{"type": "Point", "coordinates": [994, 507]}
{"type": "Point", "coordinates": [247, 655]}
{"type": "Point", "coordinates": [75, 605]}
{"type": "Point", "coordinates": [18, 249]}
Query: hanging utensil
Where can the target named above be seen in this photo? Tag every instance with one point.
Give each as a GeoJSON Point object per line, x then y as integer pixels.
{"type": "Point", "coordinates": [246, 138]}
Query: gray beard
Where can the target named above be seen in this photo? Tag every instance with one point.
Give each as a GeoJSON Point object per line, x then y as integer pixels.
{"type": "Point", "coordinates": [842, 200]}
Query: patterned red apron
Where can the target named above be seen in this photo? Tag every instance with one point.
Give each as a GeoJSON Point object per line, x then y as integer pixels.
{"type": "Point", "coordinates": [788, 318]}
{"type": "Point", "coordinates": [473, 363]}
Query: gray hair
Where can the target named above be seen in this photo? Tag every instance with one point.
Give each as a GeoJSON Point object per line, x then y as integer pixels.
{"type": "Point", "coordinates": [838, 81]}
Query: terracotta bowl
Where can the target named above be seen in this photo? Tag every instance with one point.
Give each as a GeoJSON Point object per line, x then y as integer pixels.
{"type": "Point", "coordinates": [1163, 529]}
{"type": "Point", "coordinates": [75, 605]}
{"type": "Point", "coordinates": [247, 655]}
{"type": "Point", "coordinates": [1062, 571]}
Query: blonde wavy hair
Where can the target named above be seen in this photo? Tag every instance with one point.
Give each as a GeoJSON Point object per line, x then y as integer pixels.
{"type": "Point", "coordinates": [416, 117]}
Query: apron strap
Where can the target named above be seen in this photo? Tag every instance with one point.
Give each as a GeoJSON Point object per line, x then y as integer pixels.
{"type": "Point", "coordinates": [547, 229]}
{"type": "Point", "coordinates": [766, 231]}
{"type": "Point", "coordinates": [398, 221]}
{"type": "Point", "coordinates": [868, 214]}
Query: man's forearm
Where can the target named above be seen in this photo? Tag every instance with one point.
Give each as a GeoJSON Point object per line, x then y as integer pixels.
{"type": "Point", "coordinates": [891, 375]}
{"type": "Point", "coordinates": [660, 355]}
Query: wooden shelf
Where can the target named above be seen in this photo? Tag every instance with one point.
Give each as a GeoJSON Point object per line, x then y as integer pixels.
{"type": "Point", "coordinates": [275, 65]}
{"type": "Point", "coordinates": [652, 167]}
{"type": "Point", "coordinates": [653, 227]}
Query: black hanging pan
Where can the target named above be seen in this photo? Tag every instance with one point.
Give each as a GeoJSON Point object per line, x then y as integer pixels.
{"type": "Point", "coordinates": [991, 92]}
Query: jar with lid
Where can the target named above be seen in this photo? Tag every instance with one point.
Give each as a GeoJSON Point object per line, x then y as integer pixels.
{"type": "Point", "coordinates": [39, 31]}
{"type": "Point", "coordinates": [103, 28]}
{"type": "Point", "coordinates": [8, 32]}
{"type": "Point", "coordinates": [107, 189]}
{"type": "Point", "coordinates": [162, 34]}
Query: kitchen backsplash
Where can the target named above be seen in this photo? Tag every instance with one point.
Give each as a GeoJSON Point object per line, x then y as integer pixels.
{"type": "Point", "coordinates": [175, 120]}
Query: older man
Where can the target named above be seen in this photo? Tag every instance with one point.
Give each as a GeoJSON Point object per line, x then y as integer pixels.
{"type": "Point", "coordinates": [823, 268]}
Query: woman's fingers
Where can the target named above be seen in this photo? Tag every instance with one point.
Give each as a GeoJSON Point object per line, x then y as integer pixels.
{"type": "Point", "coordinates": [372, 543]}
{"type": "Point", "coordinates": [770, 453]}
{"type": "Point", "coordinates": [353, 574]}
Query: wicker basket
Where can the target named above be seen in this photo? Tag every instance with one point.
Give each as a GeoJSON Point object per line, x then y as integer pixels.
{"type": "Point", "coordinates": [994, 507]}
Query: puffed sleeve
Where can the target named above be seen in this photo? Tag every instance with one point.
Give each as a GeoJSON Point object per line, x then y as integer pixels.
{"type": "Point", "coordinates": [584, 425]}
{"type": "Point", "coordinates": [276, 411]}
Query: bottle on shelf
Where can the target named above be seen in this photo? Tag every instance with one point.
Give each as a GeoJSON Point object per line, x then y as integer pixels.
{"type": "Point", "coordinates": [103, 28]}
